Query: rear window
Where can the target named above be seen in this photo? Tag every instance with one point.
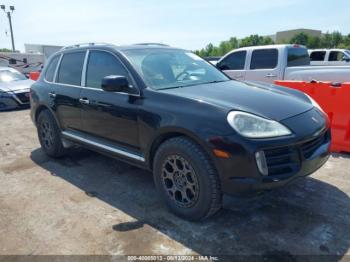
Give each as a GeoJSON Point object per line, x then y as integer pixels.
{"type": "Point", "coordinates": [51, 68]}
{"type": "Point", "coordinates": [264, 59]}
{"type": "Point", "coordinates": [317, 56]}
{"type": "Point", "coordinates": [71, 68]}
{"type": "Point", "coordinates": [298, 57]}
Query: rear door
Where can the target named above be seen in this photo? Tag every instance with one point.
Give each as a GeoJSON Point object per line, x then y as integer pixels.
{"type": "Point", "coordinates": [108, 115]}
{"type": "Point", "coordinates": [263, 65]}
{"type": "Point", "coordinates": [67, 88]}
{"type": "Point", "coordinates": [234, 65]}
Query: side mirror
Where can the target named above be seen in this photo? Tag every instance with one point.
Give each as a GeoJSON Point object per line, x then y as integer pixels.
{"type": "Point", "coordinates": [115, 84]}
{"type": "Point", "coordinates": [346, 59]}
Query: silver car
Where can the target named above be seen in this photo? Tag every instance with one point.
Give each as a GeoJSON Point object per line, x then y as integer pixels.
{"type": "Point", "coordinates": [14, 89]}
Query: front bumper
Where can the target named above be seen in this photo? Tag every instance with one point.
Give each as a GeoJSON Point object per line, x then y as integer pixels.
{"type": "Point", "coordinates": [13, 100]}
{"type": "Point", "coordinates": [287, 158]}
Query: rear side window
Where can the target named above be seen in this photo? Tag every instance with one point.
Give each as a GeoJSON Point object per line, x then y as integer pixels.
{"type": "Point", "coordinates": [317, 56]}
{"type": "Point", "coordinates": [264, 59]}
{"type": "Point", "coordinates": [298, 57]}
{"type": "Point", "coordinates": [102, 64]}
{"type": "Point", "coordinates": [234, 61]}
{"type": "Point", "coordinates": [51, 68]}
{"type": "Point", "coordinates": [336, 56]}
{"type": "Point", "coordinates": [70, 68]}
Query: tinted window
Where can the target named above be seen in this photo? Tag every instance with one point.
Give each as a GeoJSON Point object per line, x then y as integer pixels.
{"type": "Point", "coordinates": [264, 59]}
{"type": "Point", "coordinates": [102, 64]}
{"type": "Point", "coordinates": [171, 68]}
{"type": "Point", "coordinates": [298, 57]}
{"type": "Point", "coordinates": [234, 61]}
{"type": "Point", "coordinates": [317, 56]}
{"type": "Point", "coordinates": [51, 68]}
{"type": "Point", "coordinates": [336, 56]}
{"type": "Point", "coordinates": [70, 68]}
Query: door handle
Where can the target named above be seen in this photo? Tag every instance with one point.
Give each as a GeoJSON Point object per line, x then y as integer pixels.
{"type": "Point", "coordinates": [52, 95]}
{"type": "Point", "coordinates": [270, 75]}
{"type": "Point", "coordinates": [237, 76]}
{"type": "Point", "coordinates": [84, 101]}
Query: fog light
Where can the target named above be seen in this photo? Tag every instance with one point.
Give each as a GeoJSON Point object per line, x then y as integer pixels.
{"type": "Point", "coordinates": [261, 163]}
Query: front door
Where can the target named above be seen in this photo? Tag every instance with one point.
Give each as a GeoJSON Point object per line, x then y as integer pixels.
{"type": "Point", "coordinates": [108, 115]}
{"type": "Point", "coordinates": [263, 65]}
{"type": "Point", "coordinates": [233, 65]}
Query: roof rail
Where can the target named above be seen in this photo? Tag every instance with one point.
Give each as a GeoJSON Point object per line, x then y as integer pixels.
{"type": "Point", "coordinates": [81, 45]}
{"type": "Point", "coordinates": [160, 44]}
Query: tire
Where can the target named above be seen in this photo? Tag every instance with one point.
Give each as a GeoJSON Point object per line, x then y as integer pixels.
{"type": "Point", "coordinates": [186, 179]}
{"type": "Point", "coordinates": [49, 135]}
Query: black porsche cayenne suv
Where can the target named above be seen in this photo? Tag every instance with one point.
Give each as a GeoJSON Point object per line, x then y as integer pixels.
{"type": "Point", "coordinates": [169, 111]}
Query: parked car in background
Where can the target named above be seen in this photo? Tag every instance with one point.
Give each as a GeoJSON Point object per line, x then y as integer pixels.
{"type": "Point", "coordinates": [167, 110]}
{"type": "Point", "coordinates": [278, 62]}
{"type": "Point", "coordinates": [337, 57]}
{"type": "Point", "coordinates": [212, 59]}
{"type": "Point", "coordinates": [14, 89]}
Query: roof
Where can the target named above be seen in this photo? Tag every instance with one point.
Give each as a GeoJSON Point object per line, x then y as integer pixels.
{"type": "Point", "coordinates": [116, 47]}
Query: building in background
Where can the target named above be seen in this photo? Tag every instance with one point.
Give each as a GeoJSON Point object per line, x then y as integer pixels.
{"type": "Point", "coordinates": [46, 50]}
{"type": "Point", "coordinates": [286, 36]}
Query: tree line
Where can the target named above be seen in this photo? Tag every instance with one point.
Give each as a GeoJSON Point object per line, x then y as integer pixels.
{"type": "Point", "coordinates": [329, 40]}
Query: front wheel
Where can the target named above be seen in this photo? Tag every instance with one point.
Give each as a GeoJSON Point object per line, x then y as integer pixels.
{"type": "Point", "coordinates": [186, 179]}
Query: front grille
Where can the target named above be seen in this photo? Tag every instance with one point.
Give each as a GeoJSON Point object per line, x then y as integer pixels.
{"type": "Point", "coordinates": [23, 97]}
{"type": "Point", "coordinates": [308, 148]}
{"type": "Point", "coordinates": [281, 161]}
{"type": "Point", "coordinates": [286, 160]}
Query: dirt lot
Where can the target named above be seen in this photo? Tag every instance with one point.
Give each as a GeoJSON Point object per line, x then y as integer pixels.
{"type": "Point", "coordinates": [87, 203]}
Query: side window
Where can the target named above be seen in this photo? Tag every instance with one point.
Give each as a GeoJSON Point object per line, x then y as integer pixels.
{"type": "Point", "coordinates": [336, 56]}
{"type": "Point", "coordinates": [101, 64]}
{"type": "Point", "coordinates": [70, 68]}
{"type": "Point", "coordinates": [317, 55]}
{"type": "Point", "coordinates": [264, 59]}
{"type": "Point", "coordinates": [51, 68]}
{"type": "Point", "coordinates": [234, 61]}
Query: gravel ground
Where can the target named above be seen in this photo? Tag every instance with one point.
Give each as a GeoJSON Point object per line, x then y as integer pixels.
{"type": "Point", "coordinates": [87, 204]}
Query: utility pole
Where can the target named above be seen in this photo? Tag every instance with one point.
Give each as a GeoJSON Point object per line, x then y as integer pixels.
{"type": "Point", "coordinates": [12, 8]}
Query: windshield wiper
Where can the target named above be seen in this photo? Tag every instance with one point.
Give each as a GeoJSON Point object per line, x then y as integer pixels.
{"type": "Point", "coordinates": [172, 87]}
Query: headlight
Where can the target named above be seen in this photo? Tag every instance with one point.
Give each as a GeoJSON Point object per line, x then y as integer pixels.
{"type": "Point", "coordinates": [253, 126]}
{"type": "Point", "coordinates": [314, 103]}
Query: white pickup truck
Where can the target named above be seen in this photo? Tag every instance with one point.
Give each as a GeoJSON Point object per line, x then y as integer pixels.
{"type": "Point", "coordinates": [278, 62]}
{"type": "Point", "coordinates": [329, 57]}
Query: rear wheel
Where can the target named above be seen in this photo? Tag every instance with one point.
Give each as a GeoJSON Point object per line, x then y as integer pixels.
{"type": "Point", "coordinates": [49, 135]}
{"type": "Point", "coordinates": [186, 179]}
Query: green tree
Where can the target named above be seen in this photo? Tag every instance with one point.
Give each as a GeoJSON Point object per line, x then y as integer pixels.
{"type": "Point", "coordinates": [301, 39]}
{"type": "Point", "coordinates": [314, 42]}
{"type": "Point", "coordinates": [5, 50]}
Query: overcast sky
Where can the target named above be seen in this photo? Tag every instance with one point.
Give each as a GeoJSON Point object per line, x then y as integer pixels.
{"type": "Point", "coordinates": [189, 24]}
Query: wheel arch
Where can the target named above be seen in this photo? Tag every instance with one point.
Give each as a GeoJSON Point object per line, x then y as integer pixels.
{"type": "Point", "coordinates": [168, 133]}
{"type": "Point", "coordinates": [40, 109]}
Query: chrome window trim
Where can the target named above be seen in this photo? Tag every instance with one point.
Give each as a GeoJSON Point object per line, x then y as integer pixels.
{"type": "Point", "coordinates": [83, 75]}
{"type": "Point", "coordinates": [108, 148]}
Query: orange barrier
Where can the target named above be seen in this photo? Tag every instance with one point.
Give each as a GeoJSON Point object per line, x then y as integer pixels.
{"type": "Point", "coordinates": [335, 101]}
{"type": "Point", "coordinates": [34, 75]}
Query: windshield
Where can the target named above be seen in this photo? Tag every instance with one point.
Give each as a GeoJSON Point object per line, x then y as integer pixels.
{"type": "Point", "coordinates": [10, 75]}
{"type": "Point", "coordinates": [347, 52]}
{"type": "Point", "coordinates": [169, 68]}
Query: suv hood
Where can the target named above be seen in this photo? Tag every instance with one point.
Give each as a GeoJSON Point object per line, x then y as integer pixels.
{"type": "Point", "coordinates": [14, 86]}
{"type": "Point", "coordinates": [265, 100]}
